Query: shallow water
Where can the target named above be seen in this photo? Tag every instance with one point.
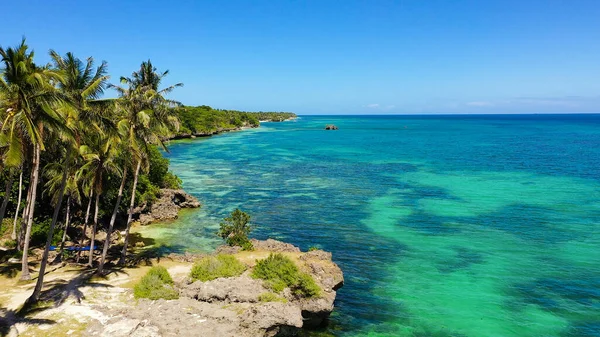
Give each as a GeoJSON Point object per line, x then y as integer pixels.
{"type": "Point", "coordinates": [443, 225]}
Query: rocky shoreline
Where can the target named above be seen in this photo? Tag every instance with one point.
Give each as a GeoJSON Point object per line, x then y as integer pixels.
{"type": "Point", "coordinates": [166, 207]}
{"type": "Point", "coordinates": [230, 306]}
{"type": "Point", "coordinates": [223, 130]}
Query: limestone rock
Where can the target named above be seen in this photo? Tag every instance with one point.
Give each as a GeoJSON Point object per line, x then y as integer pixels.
{"type": "Point", "coordinates": [273, 319]}
{"type": "Point", "coordinates": [274, 246]}
{"type": "Point", "coordinates": [167, 206]}
{"type": "Point", "coordinates": [233, 289]}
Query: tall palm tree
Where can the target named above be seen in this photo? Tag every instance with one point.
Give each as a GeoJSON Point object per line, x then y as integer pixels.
{"type": "Point", "coordinates": [32, 98]}
{"type": "Point", "coordinates": [81, 84]}
{"type": "Point", "coordinates": [99, 155]}
{"type": "Point", "coordinates": [126, 160]}
{"type": "Point", "coordinates": [147, 117]}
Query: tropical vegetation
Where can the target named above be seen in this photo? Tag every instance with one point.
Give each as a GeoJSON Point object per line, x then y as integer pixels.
{"type": "Point", "coordinates": [235, 228]}
{"type": "Point", "coordinates": [280, 272]}
{"type": "Point", "coordinates": [74, 163]}
{"type": "Point", "coordinates": [204, 120]}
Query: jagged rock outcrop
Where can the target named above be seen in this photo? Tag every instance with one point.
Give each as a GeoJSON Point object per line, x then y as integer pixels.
{"type": "Point", "coordinates": [167, 206]}
{"type": "Point", "coordinates": [232, 306]}
{"type": "Point", "coordinates": [330, 127]}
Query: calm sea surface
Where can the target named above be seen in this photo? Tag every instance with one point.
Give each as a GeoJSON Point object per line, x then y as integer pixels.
{"type": "Point", "coordinates": [443, 225]}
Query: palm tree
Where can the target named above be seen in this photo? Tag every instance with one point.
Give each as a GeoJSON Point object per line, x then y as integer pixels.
{"type": "Point", "coordinates": [80, 85]}
{"type": "Point", "coordinates": [32, 99]}
{"type": "Point", "coordinates": [100, 157]}
{"type": "Point", "coordinates": [148, 116]}
{"type": "Point", "coordinates": [113, 217]}
{"type": "Point", "coordinates": [14, 231]}
{"type": "Point", "coordinates": [54, 173]}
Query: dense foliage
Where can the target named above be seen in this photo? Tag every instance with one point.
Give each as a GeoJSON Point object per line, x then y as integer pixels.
{"type": "Point", "coordinates": [214, 267]}
{"type": "Point", "coordinates": [280, 272]}
{"type": "Point", "coordinates": [274, 116]}
{"type": "Point", "coordinates": [156, 284]}
{"type": "Point", "coordinates": [204, 120]}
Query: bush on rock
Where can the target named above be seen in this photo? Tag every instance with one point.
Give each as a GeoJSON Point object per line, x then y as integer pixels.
{"type": "Point", "coordinates": [214, 267]}
{"type": "Point", "coordinates": [279, 272]}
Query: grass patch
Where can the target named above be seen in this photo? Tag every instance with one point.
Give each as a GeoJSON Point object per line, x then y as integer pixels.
{"type": "Point", "coordinates": [213, 267]}
{"type": "Point", "coordinates": [270, 297]}
{"type": "Point", "coordinates": [279, 272]}
{"type": "Point", "coordinates": [156, 284]}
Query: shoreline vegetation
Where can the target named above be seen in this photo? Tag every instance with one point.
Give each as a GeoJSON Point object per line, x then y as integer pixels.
{"type": "Point", "coordinates": [204, 121]}
{"type": "Point", "coordinates": [78, 171]}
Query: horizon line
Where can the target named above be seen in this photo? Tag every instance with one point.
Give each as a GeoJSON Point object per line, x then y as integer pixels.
{"type": "Point", "coordinates": [460, 114]}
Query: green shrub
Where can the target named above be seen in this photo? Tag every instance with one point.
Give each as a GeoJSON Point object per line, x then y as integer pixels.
{"type": "Point", "coordinates": [146, 191]}
{"type": "Point", "coordinates": [39, 232]}
{"type": "Point", "coordinates": [235, 229]}
{"type": "Point", "coordinates": [172, 181]}
{"type": "Point", "coordinates": [10, 244]}
{"type": "Point", "coordinates": [156, 284]}
{"type": "Point", "coordinates": [213, 267]}
{"type": "Point", "coordinates": [270, 297]}
{"type": "Point", "coordinates": [313, 248]}
{"type": "Point", "coordinates": [280, 272]}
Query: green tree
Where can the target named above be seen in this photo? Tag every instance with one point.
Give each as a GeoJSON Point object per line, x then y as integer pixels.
{"type": "Point", "coordinates": [235, 229]}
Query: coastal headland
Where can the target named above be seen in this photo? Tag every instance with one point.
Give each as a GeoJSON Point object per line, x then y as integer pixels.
{"type": "Point", "coordinates": [76, 301]}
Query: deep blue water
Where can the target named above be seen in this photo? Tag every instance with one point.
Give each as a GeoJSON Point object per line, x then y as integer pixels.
{"type": "Point", "coordinates": [443, 225]}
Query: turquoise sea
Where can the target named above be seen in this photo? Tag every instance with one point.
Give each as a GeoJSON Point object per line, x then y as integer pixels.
{"type": "Point", "coordinates": [443, 225]}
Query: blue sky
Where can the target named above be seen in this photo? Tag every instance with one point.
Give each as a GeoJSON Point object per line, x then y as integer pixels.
{"type": "Point", "coordinates": [338, 57]}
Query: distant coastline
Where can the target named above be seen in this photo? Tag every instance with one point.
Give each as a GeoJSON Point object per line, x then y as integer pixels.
{"type": "Point", "coordinates": [245, 126]}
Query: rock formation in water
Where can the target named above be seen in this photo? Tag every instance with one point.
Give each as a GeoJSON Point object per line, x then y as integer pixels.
{"type": "Point", "coordinates": [331, 127]}
{"type": "Point", "coordinates": [167, 206]}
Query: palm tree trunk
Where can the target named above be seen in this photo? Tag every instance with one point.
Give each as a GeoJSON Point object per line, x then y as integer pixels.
{"type": "Point", "coordinates": [14, 231]}
{"type": "Point", "coordinates": [40, 281]}
{"type": "Point", "coordinates": [67, 220]}
{"type": "Point", "coordinates": [35, 174]}
{"type": "Point", "coordinates": [130, 215]}
{"type": "Point", "coordinates": [23, 225]}
{"type": "Point", "coordinates": [87, 216]}
{"type": "Point", "coordinates": [112, 222]}
{"type": "Point", "coordinates": [91, 260]}
{"type": "Point", "coordinates": [7, 191]}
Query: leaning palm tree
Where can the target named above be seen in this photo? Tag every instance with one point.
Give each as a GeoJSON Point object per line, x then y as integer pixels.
{"type": "Point", "coordinates": [127, 162]}
{"type": "Point", "coordinates": [81, 84]}
{"type": "Point", "coordinates": [32, 99]}
{"type": "Point", "coordinates": [147, 117]}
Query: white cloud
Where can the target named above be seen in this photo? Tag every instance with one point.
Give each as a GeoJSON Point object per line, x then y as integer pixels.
{"type": "Point", "coordinates": [372, 106]}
